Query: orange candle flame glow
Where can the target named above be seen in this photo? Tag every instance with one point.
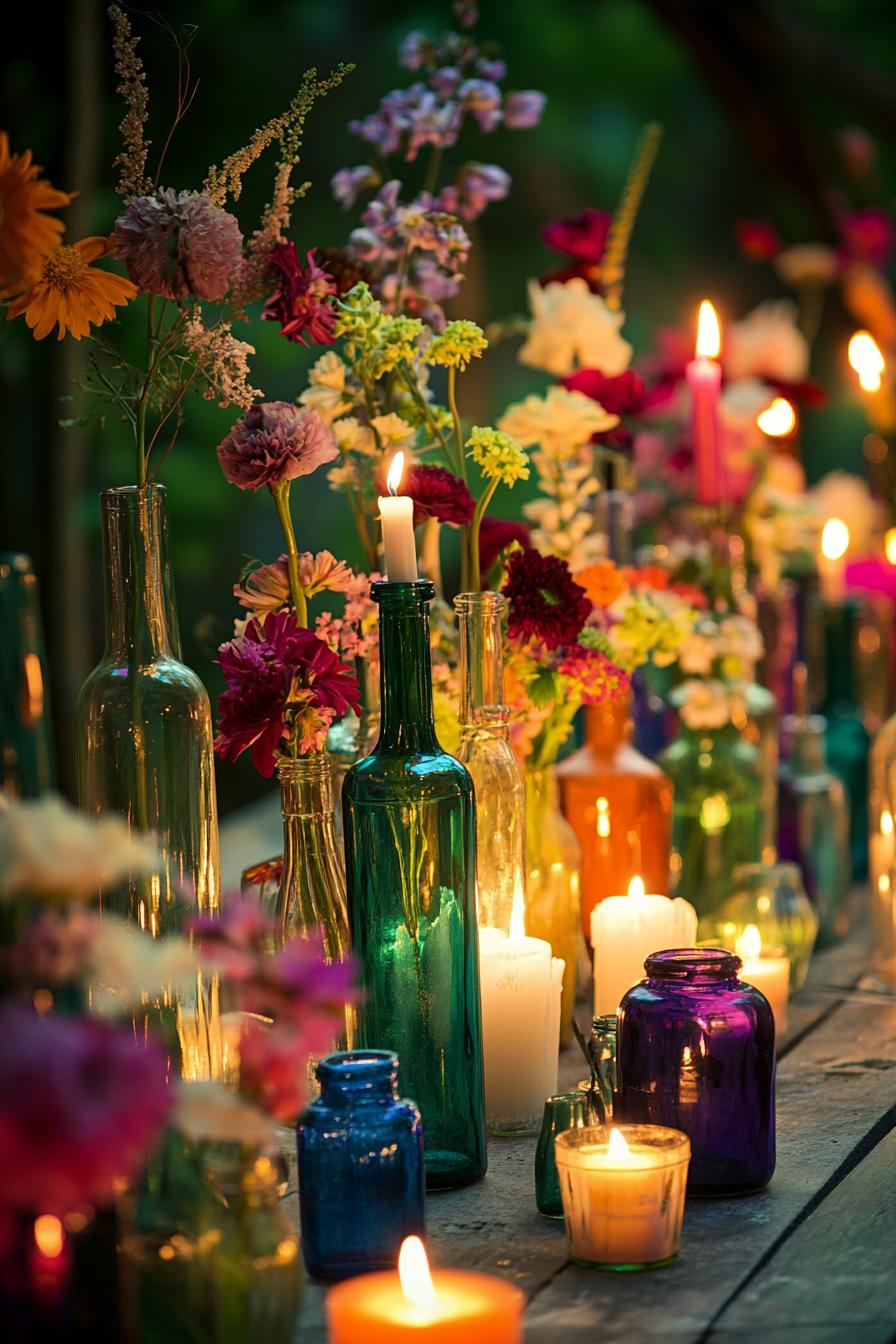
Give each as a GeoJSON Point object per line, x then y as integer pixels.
{"type": "Point", "coordinates": [414, 1273]}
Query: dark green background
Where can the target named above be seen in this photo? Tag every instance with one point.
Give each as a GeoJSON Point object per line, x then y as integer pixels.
{"type": "Point", "coordinates": [751, 97]}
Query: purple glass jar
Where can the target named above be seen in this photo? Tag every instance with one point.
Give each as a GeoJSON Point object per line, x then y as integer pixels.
{"type": "Point", "coordinates": [696, 1052]}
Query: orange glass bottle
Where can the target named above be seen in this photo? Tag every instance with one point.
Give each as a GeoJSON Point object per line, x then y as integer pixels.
{"type": "Point", "coordinates": [620, 806]}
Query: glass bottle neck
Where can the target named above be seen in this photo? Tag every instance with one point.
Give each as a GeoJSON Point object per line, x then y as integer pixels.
{"type": "Point", "coordinates": [407, 724]}
{"type": "Point", "coordinates": [608, 726]}
{"type": "Point", "coordinates": [350, 1076]}
{"type": "Point", "coordinates": [306, 787]}
{"type": "Point", "coordinates": [481, 662]}
{"type": "Point", "coordinates": [140, 616]}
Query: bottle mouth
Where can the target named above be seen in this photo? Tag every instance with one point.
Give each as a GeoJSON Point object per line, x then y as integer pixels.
{"type": "Point", "coordinates": [484, 601]}
{"type": "Point", "coordinates": [766, 872]}
{"type": "Point", "coordinates": [358, 1067]}
{"type": "Point", "coordinates": [403, 593]}
{"type": "Point", "coordinates": [124, 494]}
{"type": "Point", "coordinates": [693, 965]}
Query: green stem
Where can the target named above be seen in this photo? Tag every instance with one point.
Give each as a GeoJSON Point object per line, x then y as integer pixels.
{"type": "Point", "coordinates": [458, 428]}
{"type": "Point", "coordinates": [144, 393]}
{"type": "Point", "coordinates": [432, 170]}
{"type": "Point", "coordinates": [280, 491]}
{"type": "Point", "coordinates": [423, 407]}
{"type": "Point", "coordinates": [473, 535]}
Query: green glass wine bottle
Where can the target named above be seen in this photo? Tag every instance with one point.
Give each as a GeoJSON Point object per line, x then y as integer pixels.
{"type": "Point", "coordinates": [410, 844]}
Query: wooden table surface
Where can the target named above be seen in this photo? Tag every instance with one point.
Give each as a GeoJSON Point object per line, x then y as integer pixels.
{"type": "Point", "coordinates": [811, 1260]}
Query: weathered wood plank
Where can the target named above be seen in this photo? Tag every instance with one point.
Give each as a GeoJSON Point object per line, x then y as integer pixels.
{"type": "Point", "coordinates": [837, 1266]}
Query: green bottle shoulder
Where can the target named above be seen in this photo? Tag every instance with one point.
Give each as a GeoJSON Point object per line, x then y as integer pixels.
{"type": "Point", "coordinates": [428, 774]}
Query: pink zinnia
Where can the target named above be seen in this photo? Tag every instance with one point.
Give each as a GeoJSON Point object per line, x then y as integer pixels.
{"type": "Point", "coordinates": [81, 1104]}
{"type": "Point", "coordinates": [178, 243]}
{"type": "Point", "coordinates": [597, 678]}
{"type": "Point", "coordinates": [545, 602]}
{"type": "Point", "coordinates": [275, 441]}
{"type": "Point", "coordinates": [302, 303]}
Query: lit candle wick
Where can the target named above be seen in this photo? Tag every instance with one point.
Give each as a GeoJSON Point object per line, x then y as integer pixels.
{"type": "Point", "coordinates": [618, 1147]}
{"type": "Point", "coordinates": [414, 1273]}
{"type": "Point", "coordinates": [636, 888]}
{"type": "Point", "coordinates": [394, 475]}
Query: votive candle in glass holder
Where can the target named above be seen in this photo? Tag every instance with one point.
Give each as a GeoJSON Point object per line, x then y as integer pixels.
{"type": "Point", "coordinates": [623, 1194]}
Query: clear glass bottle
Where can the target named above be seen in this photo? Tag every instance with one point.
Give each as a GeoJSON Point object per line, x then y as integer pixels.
{"type": "Point", "coordinates": [716, 812]}
{"type": "Point", "coordinates": [486, 752]}
{"type": "Point", "coordinates": [410, 846]}
{"type": "Point", "coordinates": [696, 1051]}
{"type": "Point", "coordinates": [144, 722]}
{"type": "Point", "coordinates": [211, 1255]}
{"type": "Point", "coordinates": [814, 822]}
{"type": "Point", "coordinates": [311, 892]}
{"type": "Point", "coordinates": [553, 877]}
{"type": "Point", "coordinates": [361, 1174]}
{"type": "Point", "coordinates": [620, 806]}
{"type": "Point", "coordinates": [771, 897]}
{"type": "Point", "coordinates": [26, 751]}
{"type": "Point", "coordinates": [882, 851]}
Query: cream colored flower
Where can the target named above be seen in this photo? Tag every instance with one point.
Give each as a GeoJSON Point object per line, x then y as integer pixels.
{"type": "Point", "coordinates": [50, 851]}
{"type": "Point", "coordinates": [209, 1110]}
{"type": "Point", "coordinates": [353, 437]}
{"type": "Point", "coordinates": [570, 328]}
{"type": "Point", "coordinates": [767, 343]}
{"type": "Point", "coordinates": [394, 433]}
{"type": "Point", "coordinates": [807, 264]}
{"type": "Point", "coordinates": [558, 421]}
{"type": "Point", "coordinates": [705, 704]}
{"type": "Point", "coordinates": [328, 392]}
{"type": "Point", "coordinates": [699, 649]}
{"type": "Point", "coordinates": [129, 967]}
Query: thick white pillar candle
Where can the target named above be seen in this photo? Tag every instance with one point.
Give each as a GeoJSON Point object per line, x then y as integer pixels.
{"type": "Point", "coordinates": [769, 974]}
{"type": "Point", "coordinates": [521, 984]}
{"type": "Point", "coordinates": [397, 517]}
{"type": "Point", "coordinates": [624, 932]}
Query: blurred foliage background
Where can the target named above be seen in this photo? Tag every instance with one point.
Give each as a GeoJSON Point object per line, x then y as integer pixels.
{"type": "Point", "coordinates": [752, 96]}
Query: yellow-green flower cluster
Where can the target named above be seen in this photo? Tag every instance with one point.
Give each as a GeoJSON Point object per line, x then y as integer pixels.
{"type": "Point", "coordinates": [396, 344]}
{"type": "Point", "coordinates": [454, 347]}
{"type": "Point", "coordinates": [360, 320]}
{"type": "Point", "coordinates": [498, 455]}
{"type": "Point", "coordinates": [649, 627]}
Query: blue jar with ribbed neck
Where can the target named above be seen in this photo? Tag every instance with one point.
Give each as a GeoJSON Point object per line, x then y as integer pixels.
{"type": "Point", "coordinates": [361, 1172]}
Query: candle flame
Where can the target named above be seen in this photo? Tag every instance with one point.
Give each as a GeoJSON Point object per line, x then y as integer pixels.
{"type": "Point", "coordinates": [867, 360]}
{"type": "Point", "coordinates": [709, 337]}
{"type": "Point", "coordinates": [834, 539]}
{"type": "Point", "coordinates": [618, 1147]}
{"type": "Point", "coordinates": [413, 1271]}
{"type": "Point", "coordinates": [749, 944]}
{"type": "Point", "coordinates": [49, 1235]}
{"type": "Point", "coordinates": [886, 823]}
{"type": "Point", "coordinates": [396, 470]}
{"type": "Point", "coordinates": [518, 913]}
{"type": "Point", "coordinates": [890, 545]}
{"type": "Point", "coordinates": [778, 420]}
{"type": "Point", "coordinates": [636, 888]}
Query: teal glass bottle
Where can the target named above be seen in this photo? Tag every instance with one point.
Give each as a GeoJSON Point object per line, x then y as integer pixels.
{"type": "Point", "coordinates": [847, 741]}
{"type": "Point", "coordinates": [410, 845]}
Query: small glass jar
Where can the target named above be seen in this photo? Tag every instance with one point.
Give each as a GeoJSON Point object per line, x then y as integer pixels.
{"type": "Point", "coordinates": [568, 1110]}
{"type": "Point", "coordinates": [696, 1050]}
{"type": "Point", "coordinates": [773, 898]}
{"type": "Point", "coordinates": [361, 1173]}
{"type": "Point", "coordinates": [623, 1193]}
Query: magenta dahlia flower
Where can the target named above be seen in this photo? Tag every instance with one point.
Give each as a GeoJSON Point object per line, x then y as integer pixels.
{"type": "Point", "coordinates": [620, 395]}
{"type": "Point", "coordinates": [302, 302]}
{"type": "Point", "coordinates": [275, 441]}
{"type": "Point", "coordinates": [81, 1104]}
{"type": "Point", "coordinates": [583, 237]}
{"type": "Point", "coordinates": [439, 494]}
{"type": "Point", "coordinates": [271, 671]}
{"type": "Point", "coordinates": [544, 600]}
{"type": "Point", "coordinates": [495, 535]}
{"type": "Point", "coordinates": [178, 243]}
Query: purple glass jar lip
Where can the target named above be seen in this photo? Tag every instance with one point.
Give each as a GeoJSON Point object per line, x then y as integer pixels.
{"type": "Point", "coordinates": [695, 964]}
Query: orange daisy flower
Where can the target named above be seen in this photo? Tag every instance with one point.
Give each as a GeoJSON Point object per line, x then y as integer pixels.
{"type": "Point", "coordinates": [602, 582]}
{"type": "Point", "coordinates": [68, 291]}
{"type": "Point", "coordinates": [26, 233]}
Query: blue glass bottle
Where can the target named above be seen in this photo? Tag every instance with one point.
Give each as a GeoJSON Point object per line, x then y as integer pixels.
{"type": "Point", "coordinates": [361, 1175]}
{"type": "Point", "coordinates": [410, 846]}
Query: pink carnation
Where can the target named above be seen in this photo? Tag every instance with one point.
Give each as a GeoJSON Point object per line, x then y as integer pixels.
{"type": "Point", "coordinates": [275, 441]}
{"type": "Point", "coordinates": [81, 1104]}
{"type": "Point", "coordinates": [178, 243]}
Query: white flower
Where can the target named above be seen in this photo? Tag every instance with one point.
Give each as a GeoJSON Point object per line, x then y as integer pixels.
{"type": "Point", "coordinates": [841, 495]}
{"type": "Point", "coordinates": [129, 967]}
{"type": "Point", "coordinates": [209, 1110]}
{"type": "Point", "coordinates": [704, 704]}
{"type": "Point", "coordinates": [394, 433]}
{"type": "Point", "coordinates": [353, 437]}
{"type": "Point", "coordinates": [328, 392]}
{"type": "Point", "coordinates": [807, 264]}
{"type": "Point", "coordinates": [784, 475]}
{"type": "Point", "coordinates": [767, 343]}
{"type": "Point", "coordinates": [50, 851]}
{"type": "Point", "coordinates": [740, 642]}
{"type": "Point", "coordinates": [572, 327]}
{"type": "Point", "coordinates": [699, 650]}
{"type": "Point", "coordinates": [559, 421]}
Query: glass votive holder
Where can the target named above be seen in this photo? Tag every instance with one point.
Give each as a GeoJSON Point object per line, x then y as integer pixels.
{"type": "Point", "coordinates": [623, 1194]}
{"type": "Point", "coordinates": [568, 1110]}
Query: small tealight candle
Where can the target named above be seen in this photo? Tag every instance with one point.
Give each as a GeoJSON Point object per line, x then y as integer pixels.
{"type": "Point", "coordinates": [623, 1194]}
{"type": "Point", "coordinates": [704, 377]}
{"type": "Point", "coordinates": [625, 930]}
{"type": "Point", "coordinates": [397, 517]}
{"type": "Point", "coordinates": [769, 973]}
{"type": "Point", "coordinates": [413, 1304]}
{"type": "Point", "coordinates": [832, 561]}
{"type": "Point", "coordinates": [521, 986]}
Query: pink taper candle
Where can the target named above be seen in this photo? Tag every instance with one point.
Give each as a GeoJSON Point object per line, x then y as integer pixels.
{"type": "Point", "coordinates": [704, 375]}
